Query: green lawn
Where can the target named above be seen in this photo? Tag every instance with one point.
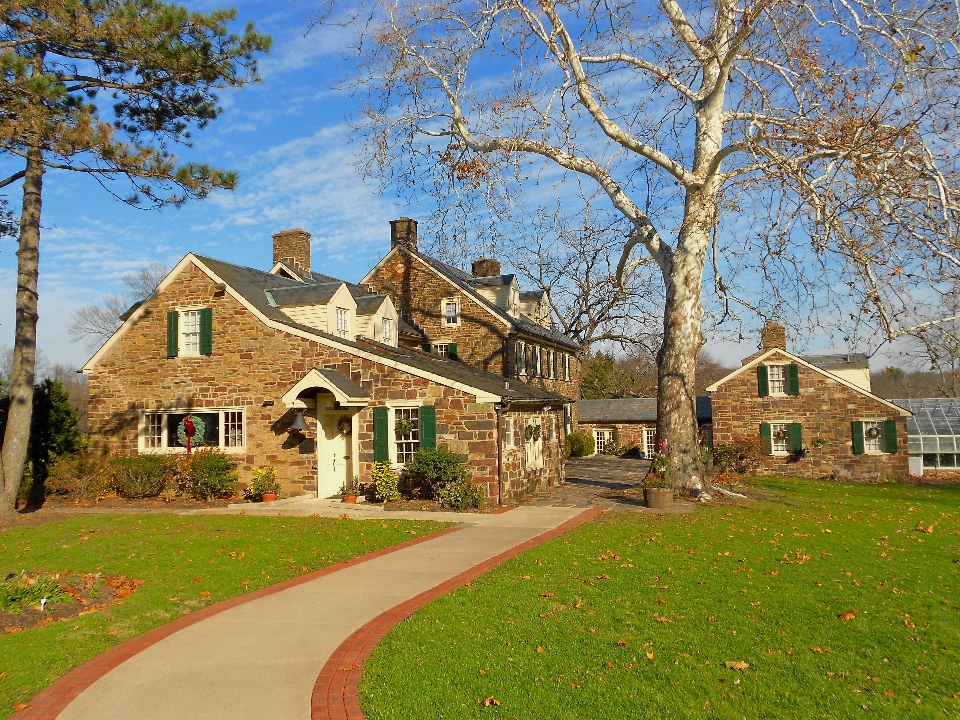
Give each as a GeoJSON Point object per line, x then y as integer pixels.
{"type": "Point", "coordinates": [185, 563]}
{"type": "Point", "coordinates": [636, 616]}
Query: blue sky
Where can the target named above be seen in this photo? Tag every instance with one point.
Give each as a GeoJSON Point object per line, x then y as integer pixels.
{"type": "Point", "coordinates": [289, 140]}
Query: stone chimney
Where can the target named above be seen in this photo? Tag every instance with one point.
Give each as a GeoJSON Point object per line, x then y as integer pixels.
{"type": "Point", "coordinates": [486, 267]}
{"type": "Point", "coordinates": [292, 248]}
{"type": "Point", "coordinates": [403, 232]}
{"type": "Point", "coordinates": [773, 335]}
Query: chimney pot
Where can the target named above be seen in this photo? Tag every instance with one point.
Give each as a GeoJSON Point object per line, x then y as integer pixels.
{"type": "Point", "coordinates": [292, 248]}
{"type": "Point", "coordinates": [403, 232]}
{"type": "Point", "coordinates": [773, 335]}
{"type": "Point", "coordinates": [486, 267]}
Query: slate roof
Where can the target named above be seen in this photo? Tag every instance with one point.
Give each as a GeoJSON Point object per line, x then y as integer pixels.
{"type": "Point", "coordinates": [847, 361]}
{"type": "Point", "coordinates": [318, 294]}
{"type": "Point", "coordinates": [631, 410]}
{"type": "Point", "coordinates": [344, 384]}
{"type": "Point", "coordinates": [467, 283]}
{"type": "Point", "coordinates": [369, 304]}
{"type": "Point", "coordinates": [527, 295]}
{"type": "Point", "coordinates": [251, 284]}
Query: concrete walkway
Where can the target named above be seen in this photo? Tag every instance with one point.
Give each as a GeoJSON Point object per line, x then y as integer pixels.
{"type": "Point", "coordinates": [260, 660]}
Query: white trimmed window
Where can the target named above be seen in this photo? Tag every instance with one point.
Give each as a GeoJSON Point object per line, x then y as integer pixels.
{"type": "Point", "coordinates": [777, 375]}
{"type": "Point", "coordinates": [552, 425]}
{"type": "Point", "coordinates": [189, 332]}
{"type": "Point", "coordinates": [872, 436]}
{"type": "Point", "coordinates": [537, 363]}
{"type": "Point", "coordinates": [509, 433]}
{"type": "Point", "coordinates": [566, 367]}
{"type": "Point", "coordinates": [451, 312]}
{"type": "Point", "coordinates": [386, 331]}
{"type": "Point", "coordinates": [780, 438]}
{"type": "Point", "coordinates": [406, 432]}
{"type": "Point", "coordinates": [165, 431]}
{"type": "Point", "coordinates": [441, 349]}
{"type": "Point", "coordinates": [343, 322]}
{"type": "Point", "coordinates": [649, 441]}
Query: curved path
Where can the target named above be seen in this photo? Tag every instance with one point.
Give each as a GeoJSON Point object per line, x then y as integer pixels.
{"type": "Point", "coordinates": [259, 656]}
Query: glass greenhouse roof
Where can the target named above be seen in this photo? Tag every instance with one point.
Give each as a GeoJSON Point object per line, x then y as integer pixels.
{"type": "Point", "coordinates": [935, 425]}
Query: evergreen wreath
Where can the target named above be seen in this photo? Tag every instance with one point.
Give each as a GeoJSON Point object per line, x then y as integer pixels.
{"type": "Point", "coordinates": [199, 432]}
{"type": "Point", "coordinates": [345, 425]}
{"type": "Point", "coordinates": [403, 427]}
{"type": "Point", "coordinates": [873, 433]}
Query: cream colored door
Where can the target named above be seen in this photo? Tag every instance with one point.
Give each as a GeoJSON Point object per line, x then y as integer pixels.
{"type": "Point", "coordinates": [335, 462]}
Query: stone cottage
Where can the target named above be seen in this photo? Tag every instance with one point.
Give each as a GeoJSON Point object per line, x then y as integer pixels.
{"type": "Point", "coordinates": [247, 353]}
{"type": "Point", "coordinates": [812, 419]}
{"type": "Point", "coordinates": [631, 422]}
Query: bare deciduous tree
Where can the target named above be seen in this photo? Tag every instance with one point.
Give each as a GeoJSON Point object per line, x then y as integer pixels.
{"type": "Point", "coordinates": [830, 123]}
{"type": "Point", "coordinates": [94, 324]}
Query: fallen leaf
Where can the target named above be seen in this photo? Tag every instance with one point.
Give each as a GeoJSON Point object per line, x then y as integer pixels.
{"type": "Point", "coordinates": [819, 650]}
{"type": "Point", "coordinates": [664, 620]}
{"type": "Point", "coordinates": [19, 706]}
{"type": "Point", "coordinates": [888, 693]}
{"type": "Point", "coordinates": [649, 656]}
{"type": "Point", "coordinates": [736, 665]}
{"type": "Point", "coordinates": [206, 593]}
{"type": "Point", "coordinates": [546, 594]}
{"type": "Point", "coordinates": [924, 529]}
{"type": "Point", "coordinates": [487, 702]}
{"type": "Point", "coordinates": [603, 577]}
{"type": "Point", "coordinates": [848, 615]}
{"type": "Point", "coordinates": [609, 665]}
{"type": "Point", "coordinates": [579, 604]}
{"type": "Point", "coordinates": [621, 642]}
{"type": "Point", "coordinates": [13, 629]}
{"type": "Point", "coordinates": [198, 579]}
{"type": "Point", "coordinates": [540, 650]}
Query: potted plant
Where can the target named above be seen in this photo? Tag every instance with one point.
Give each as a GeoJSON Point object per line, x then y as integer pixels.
{"type": "Point", "coordinates": [658, 483]}
{"type": "Point", "coordinates": [264, 487]}
{"type": "Point", "coordinates": [349, 490]}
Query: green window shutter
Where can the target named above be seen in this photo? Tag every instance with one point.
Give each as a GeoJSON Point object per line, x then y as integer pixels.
{"type": "Point", "coordinates": [766, 438]}
{"type": "Point", "coordinates": [428, 426]}
{"type": "Point", "coordinates": [890, 436]}
{"type": "Point", "coordinates": [381, 434]}
{"type": "Point", "coordinates": [858, 448]}
{"type": "Point", "coordinates": [763, 382]}
{"type": "Point", "coordinates": [452, 351]}
{"type": "Point", "coordinates": [206, 331]}
{"type": "Point", "coordinates": [173, 334]}
{"type": "Point", "coordinates": [796, 437]}
{"type": "Point", "coordinates": [793, 379]}
{"type": "Point", "coordinates": [517, 356]}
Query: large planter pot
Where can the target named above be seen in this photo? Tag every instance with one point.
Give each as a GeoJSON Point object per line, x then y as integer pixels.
{"type": "Point", "coordinates": [658, 498]}
{"type": "Point", "coordinates": [350, 498]}
{"type": "Point", "coordinates": [269, 497]}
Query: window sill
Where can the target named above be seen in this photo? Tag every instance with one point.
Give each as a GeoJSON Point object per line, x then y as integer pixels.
{"type": "Point", "coordinates": [183, 451]}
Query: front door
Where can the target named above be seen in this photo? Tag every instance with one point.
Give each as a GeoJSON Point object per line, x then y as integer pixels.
{"type": "Point", "coordinates": [602, 438]}
{"type": "Point", "coordinates": [335, 463]}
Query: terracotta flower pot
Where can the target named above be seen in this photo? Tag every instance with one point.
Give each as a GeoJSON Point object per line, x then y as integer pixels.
{"type": "Point", "coordinates": [350, 498]}
{"type": "Point", "coordinates": [658, 498]}
{"type": "Point", "coordinates": [269, 497]}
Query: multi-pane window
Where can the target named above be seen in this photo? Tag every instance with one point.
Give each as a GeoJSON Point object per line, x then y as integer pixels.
{"type": "Point", "coordinates": [407, 432]}
{"type": "Point", "coordinates": [152, 430]}
{"type": "Point", "coordinates": [441, 349]}
{"type": "Point", "coordinates": [552, 423]}
{"type": "Point", "coordinates": [386, 329]}
{"type": "Point", "coordinates": [537, 367]}
{"type": "Point", "coordinates": [520, 351]}
{"type": "Point", "coordinates": [167, 431]}
{"type": "Point", "coordinates": [602, 439]}
{"type": "Point", "coordinates": [190, 332]}
{"type": "Point", "coordinates": [872, 436]}
{"type": "Point", "coordinates": [780, 437]}
{"type": "Point", "coordinates": [509, 432]}
{"type": "Point", "coordinates": [451, 312]}
{"type": "Point", "coordinates": [552, 363]}
{"type": "Point", "coordinates": [566, 367]}
{"type": "Point", "coordinates": [649, 441]}
{"type": "Point", "coordinates": [233, 428]}
{"type": "Point", "coordinates": [343, 322]}
{"type": "Point", "coordinates": [777, 379]}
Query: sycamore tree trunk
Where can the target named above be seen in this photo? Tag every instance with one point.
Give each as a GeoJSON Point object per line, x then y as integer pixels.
{"type": "Point", "coordinates": [683, 339]}
{"type": "Point", "coordinates": [13, 455]}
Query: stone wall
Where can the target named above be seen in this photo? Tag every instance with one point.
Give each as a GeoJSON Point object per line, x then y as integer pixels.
{"type": "Point", "coordinates": [825, 408]}
{"type": "Point", "coordinates": [624, 433]}
{"type": "Point", "coordinates": [251, 366]}
{"type": "Point", "coordinates": [519, 479]}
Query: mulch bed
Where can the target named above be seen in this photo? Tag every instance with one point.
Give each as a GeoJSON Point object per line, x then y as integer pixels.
{"type": "Point", "coordinates": [91, 592]}
{"type": "Point", "coordinates": [431, 506]}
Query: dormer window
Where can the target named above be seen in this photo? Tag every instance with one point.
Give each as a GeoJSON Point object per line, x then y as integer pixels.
{"type": "Point", "coordinates": [386, 331]}
{"type": "Point", "coordinates": [343, 322]}
{"type": "Point", "coordinates": [451, 312]}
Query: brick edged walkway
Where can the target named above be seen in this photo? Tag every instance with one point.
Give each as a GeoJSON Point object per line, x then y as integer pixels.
{"type": "Point", "coordinates": [335, 694]}
{"type": "Point", "coordinates": [49, 703]}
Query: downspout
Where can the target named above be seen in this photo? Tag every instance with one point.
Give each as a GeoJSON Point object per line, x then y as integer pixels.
{"type": "Point", "coordinates": [499, 409]}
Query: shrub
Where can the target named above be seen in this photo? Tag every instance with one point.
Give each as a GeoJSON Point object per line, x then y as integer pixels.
{"type": "Point", "coordinates": [741, 456]}
{"type": "Point", "coordinates": [85, 474]}
{"type": "Point", "coordinates": [214, 474]}
{"type": "Point", "coordinates": [437, 468]}
{"type": "Point", "coordinates": [386, 483]}
{"type": "Point", "coordinates": [461, 495]}
{"type": "Point", "coordinates": [614, 449]}
{"type": "Point", "coordinates": [580, 444]}
{"type": "Point", "coordinates": [264, 483]}
{"type": "Point", "coordinates": [139, 476]}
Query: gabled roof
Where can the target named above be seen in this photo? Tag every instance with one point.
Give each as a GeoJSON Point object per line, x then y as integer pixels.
{"type": "Point", "coordinates": [318, 294]}
{"type": "Point", "coordinates": [247, 286]}
{"type": "Point", "coordinates": [847, 361]}
{"type": "Point", "coordinates": [630, 410]}
{"type": "Point", "coordinates": [369, 304]}
{"type": "Point", "coordinates": [800, 361]}
{"type": "Point", "coordinates": [467, 284]}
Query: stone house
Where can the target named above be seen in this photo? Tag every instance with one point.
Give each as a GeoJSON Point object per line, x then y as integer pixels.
{"type": "Point", "coordinates": [247, 353]}
{"type": "Point", "coordinates": [812, 419]}
{"type": "Point", "coordinates": [631, 422]}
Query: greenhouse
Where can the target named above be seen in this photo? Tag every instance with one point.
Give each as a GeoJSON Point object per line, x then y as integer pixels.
{"type": "Point", "coordinates": [934, 431]}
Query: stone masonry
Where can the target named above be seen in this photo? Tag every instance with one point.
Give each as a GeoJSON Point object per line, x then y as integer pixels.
{"type": "Point", "coordinates": [825, 407]}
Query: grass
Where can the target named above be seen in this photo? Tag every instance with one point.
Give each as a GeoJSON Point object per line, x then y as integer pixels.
{"type": "Point", "coordinates": [636, 615]}
{"type": "Point", "coordinates": [185, 563]}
